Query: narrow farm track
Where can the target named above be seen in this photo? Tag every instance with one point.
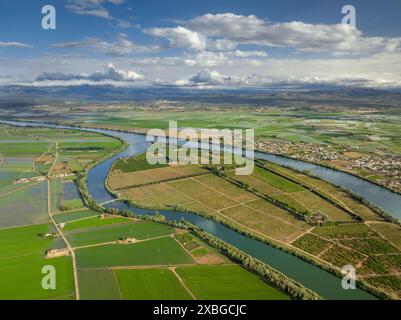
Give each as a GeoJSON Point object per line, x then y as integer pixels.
{"type": "Point", "coordinates": [380, 234]}
{"type": "Point", "coordinates": [74, 261]}
{"type": "Point", "coordinates": [119, 242]}
{"type": "Point", "coordinates": [18, 189]}
{"type": "Point", "coordinates": [55, 161]}
{"type": "Point", "coordinates": [301, 235]}
{"type": "Point", "coordinates": [183, 247]}
{"type": "Point", "coordinates": [70, 249]}
{"type": "Point", "coordinates": [172, 269]}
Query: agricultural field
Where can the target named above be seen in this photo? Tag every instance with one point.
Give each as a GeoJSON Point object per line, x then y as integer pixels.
{"type": "Point", "coordinates": [329, 191]}
{"type": "Point", "coordinates": [136, 230]}
{"type": "Point", "coordinates": [32, 210]}
{"type": "Point", "coordinates": [151, 176]}
{"type": "Point", "coordinates": [74, 215]}
{"type": "Point", "coordinates": [222, 282]}
{"type": "Point", "coordinates": [71, 197]}
{"type": "Point", "coordinates": [336, 128]}
{"type": "Point", "coordinates": [377, 261]}
{"type": "Point", "coordinates": [133, 164]}
{"type": "Point", "coordinates": [312, 244]}
{"type": "Point", "coordinates": [22, 257]}
{"type": "Point", "coordinates": [263, 223]}
{"type": "Point", "coordinates": [160, 251]}
{"type": "Point", "coordinates": [125, 258]}
{"type": "Point", "coordinates": [12, 169]}
{"type": "Point", "coordinates": [98, 285]}
{"type": "Point", "coordinates": [93, 222]}
{"type": "Point", "coordinates": [137, 272]}
{"type": "Point", "coordinates": [243, 201]}
{"type": "Point", "coordinates": [150, 284]}
{"type": "Point", "coordinates": [23, 149]}
{"type": "Point", "coordinates": [151, 266]}
{"type": "Point", "coordinates": [216, 196]}
{"type": "Point", "coordinates": [28, 199]}
{"type": "Point", "coordinates": [347, 134]}
{"type": "Point", "coordinates": [212, 195]}
{"type": "Point", "coordinates": [291, 193]}
{"type": "Point", "coordinates": [389, 231]}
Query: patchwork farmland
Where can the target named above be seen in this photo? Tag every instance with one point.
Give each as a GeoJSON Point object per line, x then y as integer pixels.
{"type": "Point", "coordinates": [31, 192]}
{"type": "Point", "coordinates": [95, 255]}
{"type": "Point", "coordinates": [283, 206]}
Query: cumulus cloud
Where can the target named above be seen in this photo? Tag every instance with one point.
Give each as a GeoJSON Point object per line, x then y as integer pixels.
{"type": "Point", "coordinates": [179, 37]}
{"type": "Point", "coordinates": [206, 78]}
{"type": "Point", "coordinates": [337, 38]}
{"type": "Point", "coordinates": [14, 44]}
{"type": "Point", "coordinates": [221, 45]}
{"type": "Point", "coordinates": [122, 46]}
{"type": "Point", "coordinates": [247, 54]}
{"type": "Point", "coordinates": [110, 73]}
{"type": "Point", "coordinates": [91, 7]}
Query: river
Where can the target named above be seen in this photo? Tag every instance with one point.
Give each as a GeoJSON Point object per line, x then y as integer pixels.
{"type": "Point", "coordinates": [324, 283]}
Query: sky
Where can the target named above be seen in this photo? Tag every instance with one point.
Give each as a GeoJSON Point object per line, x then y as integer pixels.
{"type": "Point", "coordinates": [201, 44]}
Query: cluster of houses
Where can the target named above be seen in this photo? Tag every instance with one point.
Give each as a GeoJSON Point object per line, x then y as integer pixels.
{"type": "Point", "coordinates": [55, 253]}
{"type": "Point", "coordinates": [386, 168]}
{"type": "Point", "coordinates": [41, 178]}
{"type": "Point", "coordinates": [32, 179]}
{"type": "Point", "coordinates": [127, 240]}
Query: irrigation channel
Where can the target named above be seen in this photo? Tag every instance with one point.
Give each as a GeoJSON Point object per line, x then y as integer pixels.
{"type": "Point", "coordinates": [322, 282]}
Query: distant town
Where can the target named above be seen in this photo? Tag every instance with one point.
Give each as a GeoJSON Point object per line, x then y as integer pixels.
{"type": "Point", "coordinates": [384, 170]}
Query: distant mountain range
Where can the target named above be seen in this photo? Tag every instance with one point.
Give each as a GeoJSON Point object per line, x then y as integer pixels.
{"type": "Point", "coordinates": [254, 96]}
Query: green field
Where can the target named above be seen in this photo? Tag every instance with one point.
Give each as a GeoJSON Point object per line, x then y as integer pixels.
{"type": "Point", "coordinates": [23, 149]}
{"type": "Point", "coordinates": [389, 231]}
{"type": "Point", "coordinates": [345, 231]}
{"type": "Point", "coordinates": [332, 127]}
{"type": "Point", "coordinates": [92, 222]}
{"type": "Point", "coordinates": [22, 250]}
{"type": "Point", "coordinates": [72, 204]}
{"type": "Point", "coordinates": [98, 285]}
{"type": "Point", "coordinates": [290, 193]}
{"type": "Point", "coordinates": [56, 194]}
{"type": "Point", "coordinates": [227, 282]}
{"type": "Point", "coordinates": [311, 244]}
{"type": "Point", "coordinates": [150, 284]}
{"type": "Point", "coordinates": [31, 210]}
{"type": "Point", "coordinates": [276, 181]}
{"type": "Point", "coordinates": [330, 191]}
{"type": "Point", "coordinates": [21, 261]}
{"type": "Point", "coordinates": [24, 240]}
{"type": "Point", "coordinates": [162, 251]}
{"type": "Point", "coordinates": [140, 230]}
{"type": "Point", "coordinates": [137, 163]}
{"type": "Point", "coordinates": [75, 215]}
{"type": "Point", "coordinates": [370, 246]}
{"type": "Point", "coordinates": [12, 169]}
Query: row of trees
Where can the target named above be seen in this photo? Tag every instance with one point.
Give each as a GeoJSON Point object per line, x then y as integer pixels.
{"type": "Point", "coordinates": [293, 288]}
